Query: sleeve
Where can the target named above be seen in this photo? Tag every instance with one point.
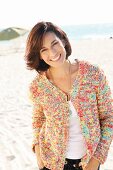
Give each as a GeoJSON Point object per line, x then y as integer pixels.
{"type": "Point", "coordinates": [105, 109]}
{"type": "Point", "coordinates": [38, 116]}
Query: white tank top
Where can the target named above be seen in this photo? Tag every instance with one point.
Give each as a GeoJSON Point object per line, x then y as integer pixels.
{"type": "Point", "coordinates": [76, 147]}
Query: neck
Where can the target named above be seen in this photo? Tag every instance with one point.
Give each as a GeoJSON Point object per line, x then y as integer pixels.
{"type": "Point", "coordinates": [61, 71]}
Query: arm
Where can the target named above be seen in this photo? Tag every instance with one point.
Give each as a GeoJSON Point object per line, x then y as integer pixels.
{"type": "Point", "coordinates": [38, 119]}
{"type": "Point", "coordinates": [39, 160]}
{"type": "Point", "coordinates": [105, 109]}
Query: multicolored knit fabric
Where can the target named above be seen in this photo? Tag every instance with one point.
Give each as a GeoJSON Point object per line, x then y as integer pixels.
{"type": "Point", "coordinates": [91, 97]}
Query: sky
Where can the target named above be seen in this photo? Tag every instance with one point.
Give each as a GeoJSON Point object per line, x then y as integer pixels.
{"type": "Point", "coordinates": [26, 13]}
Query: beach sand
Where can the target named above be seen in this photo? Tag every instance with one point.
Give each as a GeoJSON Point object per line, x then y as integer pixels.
{"type": "Point", "coordinates": [15, 107]}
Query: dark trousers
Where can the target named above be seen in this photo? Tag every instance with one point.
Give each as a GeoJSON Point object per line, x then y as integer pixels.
{"type": "Point", "coordinates": [70, 164]}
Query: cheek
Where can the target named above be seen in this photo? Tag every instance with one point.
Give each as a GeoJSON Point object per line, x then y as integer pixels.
{"type": "Point", "coordinates": [62, 49]}
{"type": "Point", "coordinates": [43, 57]}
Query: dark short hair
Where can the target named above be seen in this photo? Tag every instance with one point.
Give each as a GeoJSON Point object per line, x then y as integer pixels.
{"type": "Point", "coordinates": [34, 44]}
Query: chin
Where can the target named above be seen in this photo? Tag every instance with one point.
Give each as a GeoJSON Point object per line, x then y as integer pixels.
{"type": "Point", "coordinates": [58, 63]}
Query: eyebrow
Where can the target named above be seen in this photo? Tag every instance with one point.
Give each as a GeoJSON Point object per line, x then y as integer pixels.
{"type": "Point", "coordinates": [51, 43]}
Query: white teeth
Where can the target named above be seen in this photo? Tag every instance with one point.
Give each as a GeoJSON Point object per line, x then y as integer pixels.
{"type": "Point", "coordinates": [56, 58]}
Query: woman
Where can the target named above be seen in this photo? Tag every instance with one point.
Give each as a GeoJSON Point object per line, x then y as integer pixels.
{"type": "Point", "coordinates": [72, 105]}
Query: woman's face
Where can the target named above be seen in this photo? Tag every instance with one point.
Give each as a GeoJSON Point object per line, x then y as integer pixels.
{"type": "Point", "coordinates": [53, 51]}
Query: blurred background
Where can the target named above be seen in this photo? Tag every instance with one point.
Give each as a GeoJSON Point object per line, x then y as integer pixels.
{"type": "Point", "coordinates": [89, 26]}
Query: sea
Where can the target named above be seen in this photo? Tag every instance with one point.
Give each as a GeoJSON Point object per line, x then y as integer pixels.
{"type": "Point", "coordinates": [76, 32]}
{"type": "Point", "coordinates": [88, 31]}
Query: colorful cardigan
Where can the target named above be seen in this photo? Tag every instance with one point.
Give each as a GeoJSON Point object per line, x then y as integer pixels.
{"type": "Point", "coordinates": [91, 97]}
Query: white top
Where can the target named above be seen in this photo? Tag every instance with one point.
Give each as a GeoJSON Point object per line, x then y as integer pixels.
{"type": "Point", "coordinates": [76, 148]}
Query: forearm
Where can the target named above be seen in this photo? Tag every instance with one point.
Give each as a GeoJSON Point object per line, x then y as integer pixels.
{"type": "Point", "coordinates": [37, 151]}
{"type": "Point", "coordinates": [39, 160]}
{"type": "Point", "coordinates": [93, 164]}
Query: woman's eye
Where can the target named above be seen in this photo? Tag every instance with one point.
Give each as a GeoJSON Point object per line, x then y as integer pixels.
{"type": "Point", "coordinates": [43, 50]}
{"type": "Point", "coordinates": [55, 43]}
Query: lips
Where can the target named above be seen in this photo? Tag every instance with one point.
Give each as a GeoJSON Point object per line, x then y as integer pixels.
{"type": "Point", "coordinates": [57, 58]}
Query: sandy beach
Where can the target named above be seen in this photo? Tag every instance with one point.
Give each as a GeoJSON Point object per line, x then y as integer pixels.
{"type": "Point", "coordinates": [15, 107]}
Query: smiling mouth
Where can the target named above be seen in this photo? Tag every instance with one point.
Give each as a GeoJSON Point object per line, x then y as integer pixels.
{"type": "Point", "coordinates": [57, 58]}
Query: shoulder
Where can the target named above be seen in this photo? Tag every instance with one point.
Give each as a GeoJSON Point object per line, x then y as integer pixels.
{"type": "Point", "coordinates": [85, 65]}
{"type": "Point", "coordinates": [38, 83]}
{"type": "Point", "coordinates": [92, 72]}
{"type": "Point", "coordinates": [90, 68]}
{"type": "Point", "coordinates": [33, 86]}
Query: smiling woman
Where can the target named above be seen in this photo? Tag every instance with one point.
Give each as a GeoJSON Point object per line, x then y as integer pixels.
{"type": "Point", "coordinates": [72, 104]}
{"type": "Point", "coordinates": [49, 42]}
{"type": "Point", "coordinates": [53, 50]}
{"type": "Point", "coordinates": [54, 46]}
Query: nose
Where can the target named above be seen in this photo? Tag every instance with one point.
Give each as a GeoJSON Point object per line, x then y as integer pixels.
{"type": "Point", "coordinates": [52, 52]}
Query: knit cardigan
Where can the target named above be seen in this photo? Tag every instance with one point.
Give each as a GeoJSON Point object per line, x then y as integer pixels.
{"type": "Point", "coordinates": [91, 97]}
